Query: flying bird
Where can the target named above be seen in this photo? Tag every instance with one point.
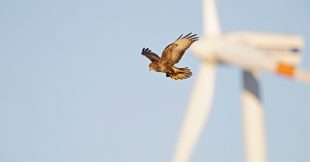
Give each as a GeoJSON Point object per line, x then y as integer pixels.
{"type": "Point", "coordinates": [171, 55]}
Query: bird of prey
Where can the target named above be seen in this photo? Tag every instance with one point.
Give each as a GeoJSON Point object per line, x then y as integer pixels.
{"type": "Point", "coordinates": [170, 56]}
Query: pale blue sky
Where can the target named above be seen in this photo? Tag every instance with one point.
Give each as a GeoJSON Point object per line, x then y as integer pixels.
{"type": "Point", "coordinates": [74, 87]}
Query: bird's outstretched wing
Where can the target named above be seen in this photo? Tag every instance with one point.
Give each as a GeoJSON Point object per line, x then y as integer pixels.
{"type": "Point", "coordinates": [174, 51]}
{"type": "Point", "coordinates": [150, 55]}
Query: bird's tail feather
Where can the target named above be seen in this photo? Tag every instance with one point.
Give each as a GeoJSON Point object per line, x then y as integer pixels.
{"type": "Point", "coordinates": [181, 73]}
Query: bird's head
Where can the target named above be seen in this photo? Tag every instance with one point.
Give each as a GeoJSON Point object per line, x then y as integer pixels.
{"type": "Point", "coordinates": [152, 66]}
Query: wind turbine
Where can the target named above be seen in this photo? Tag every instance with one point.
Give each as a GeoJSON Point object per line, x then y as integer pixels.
{"type": "Point", "coordinates": [255, 53]}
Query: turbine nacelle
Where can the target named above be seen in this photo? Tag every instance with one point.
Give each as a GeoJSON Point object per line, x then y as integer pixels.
{"type": "Point", "coordinates": [272, 53]}
{"type": "Point", "coordinates": [207, 49]}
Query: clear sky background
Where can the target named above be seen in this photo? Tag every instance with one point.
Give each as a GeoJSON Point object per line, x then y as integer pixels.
{"type": "Point", "coordinates": [74, 87]}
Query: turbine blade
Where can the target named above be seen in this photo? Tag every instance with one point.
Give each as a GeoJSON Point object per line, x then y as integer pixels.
{"type": "Point", "coordinates": [197, 113]}
{"type": "Point", "coordinates": [253, 119]}
{"type": "Point", "coordinates": [211, 26]}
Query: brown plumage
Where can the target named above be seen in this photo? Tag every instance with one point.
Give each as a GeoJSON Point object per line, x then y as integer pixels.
{"type": "Point", "coordinates": [170, 56]}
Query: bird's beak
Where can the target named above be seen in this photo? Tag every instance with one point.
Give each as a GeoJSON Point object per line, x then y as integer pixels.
{"type": "Point", "coordinates": [150, 69]}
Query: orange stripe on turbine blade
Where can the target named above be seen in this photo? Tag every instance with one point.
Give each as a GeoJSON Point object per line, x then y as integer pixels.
{"type": "Point", "coordinates": [285, 69]}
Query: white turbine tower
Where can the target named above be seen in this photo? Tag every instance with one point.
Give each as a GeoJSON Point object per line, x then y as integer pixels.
{"type": "Point", "coordinates": [254, 53]}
